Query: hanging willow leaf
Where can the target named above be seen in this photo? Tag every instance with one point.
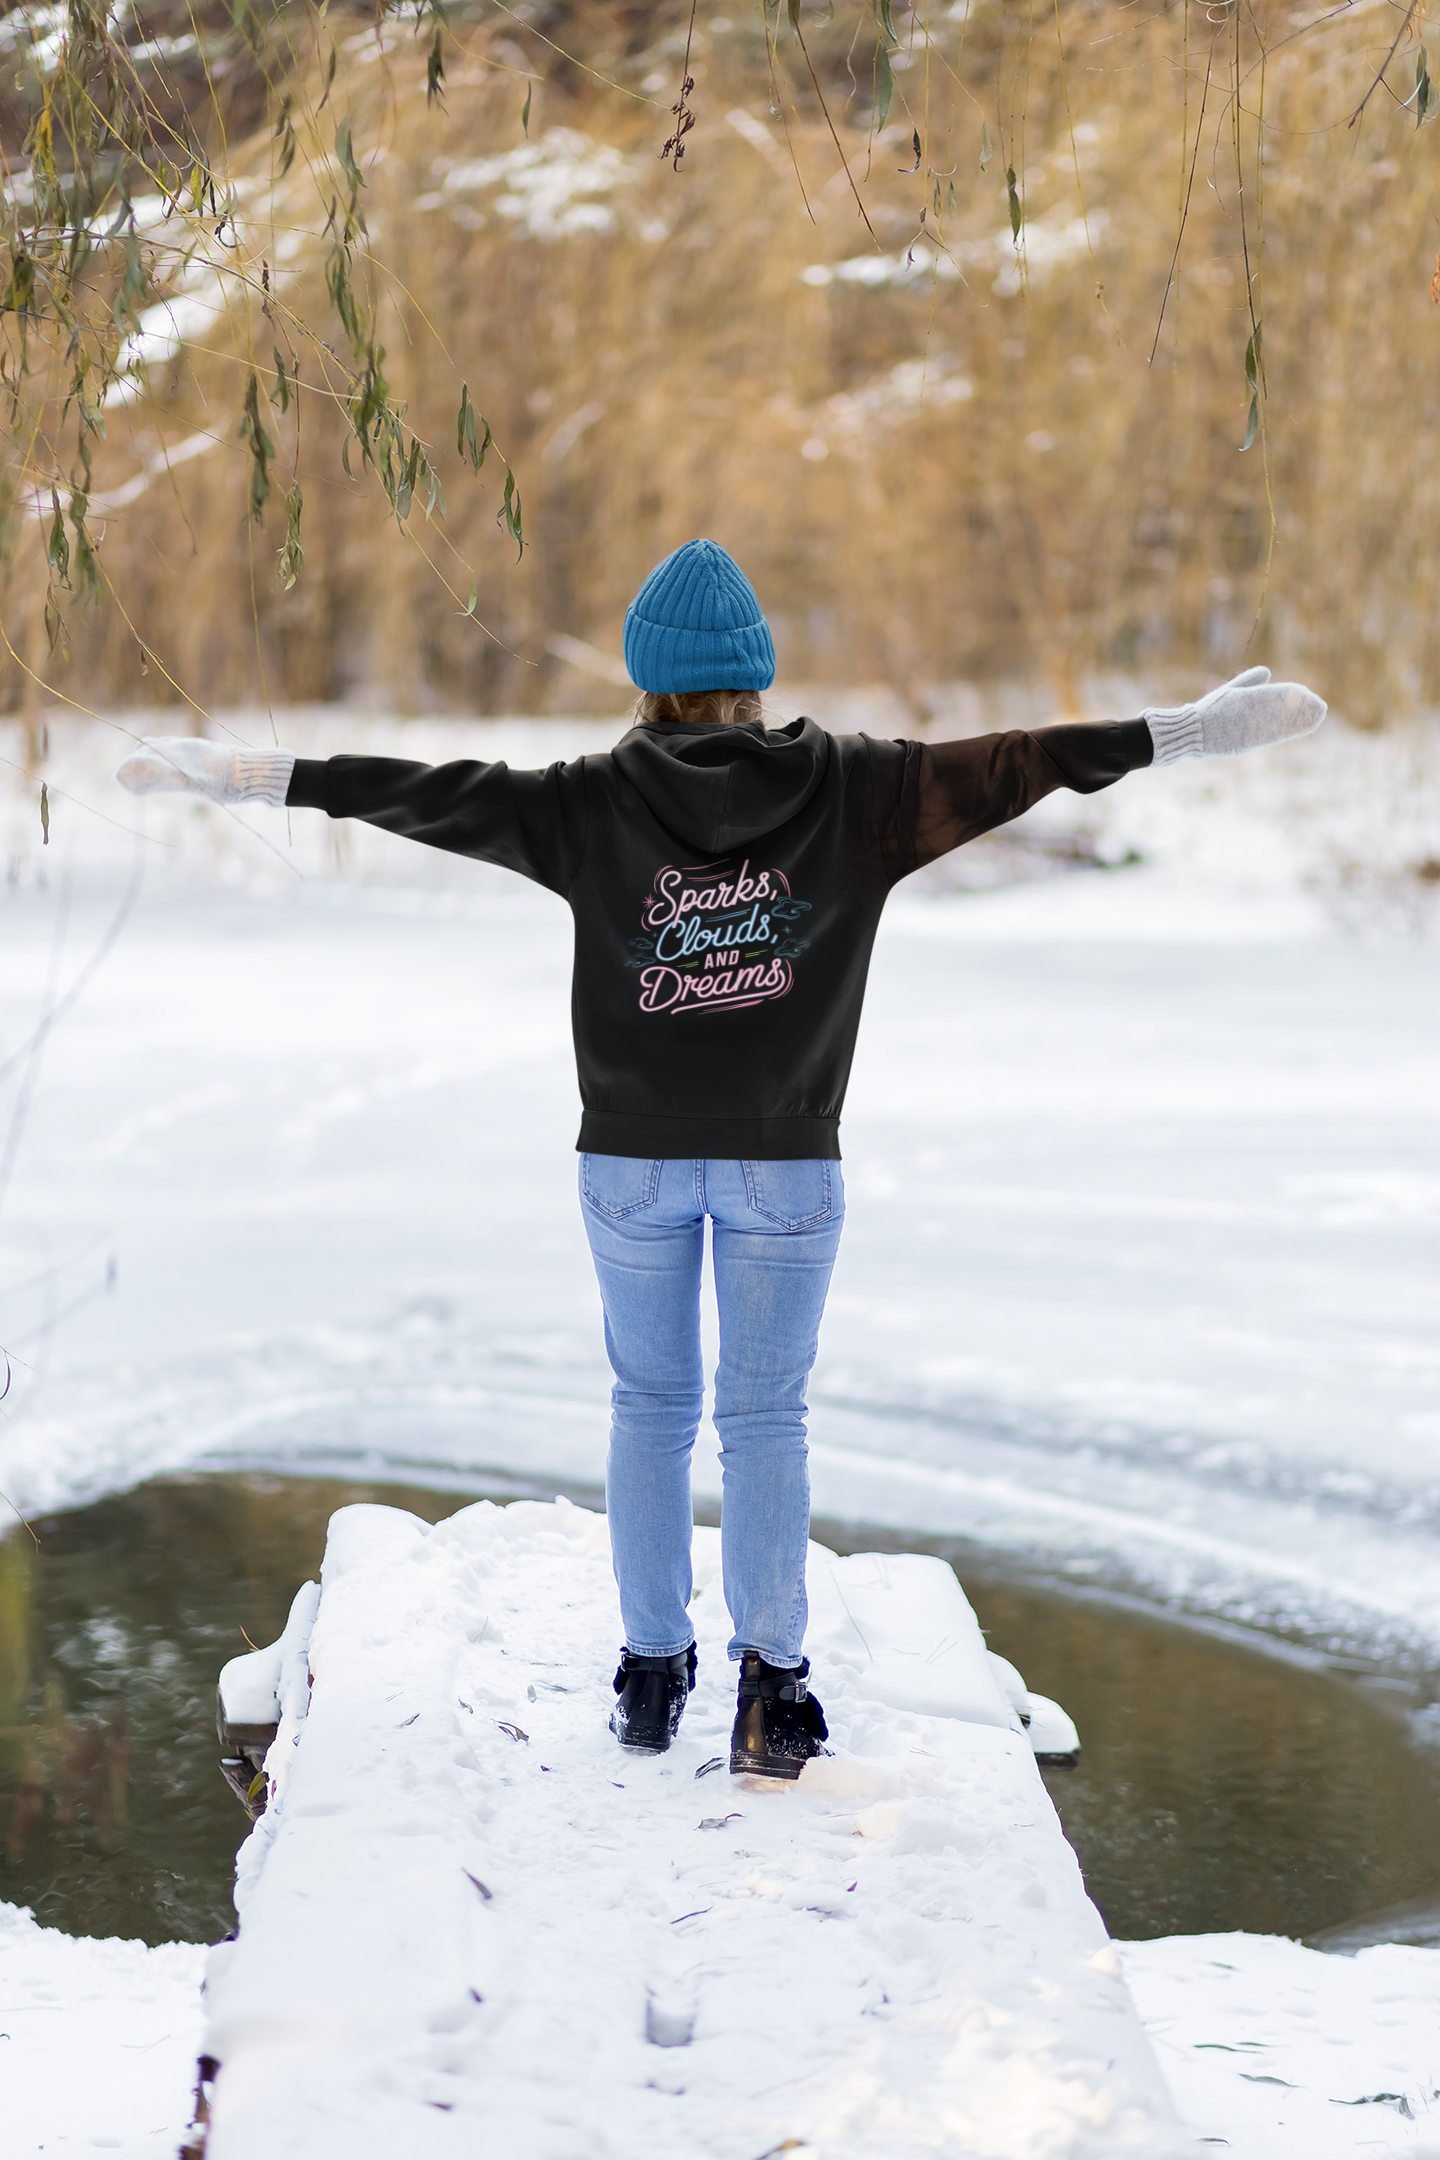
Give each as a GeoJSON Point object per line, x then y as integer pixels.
{"type": "Point", "coordinates": [21, 294]}
{"type": "Point", "coordinates": [44, 815]}
{"type": "Point", "coordinates": [87, 562]}
{"type": "Point", "coordinates": [525, 108]}
{"type": "Point", "coordinates": [1015, 212]}
{"type": "Point", "coordinates": [880, 9]}
{"type": "Point", "coordinates": [345, 152]}
{"type": "Point", "coordinates": [370, 411]}
{"type": "Point", "coordinates": [405, 485]}
{"type": "Point", "coordinates": [435, 70]}
{"type": "Point", "coordinates": [291, 559]}
{"type": "Point", "coordinates": [285, 136]}
{"type": "Point", "coordinates": [260, 447]}
{"type": "Point", "coordinates": [467, 440]}
{"type": "Point", "coordinates": [57, 550]}
{"type": "Point", "coordinates": [884, 87]}
{"type": "Point", "coordinates": [508, 514]}
{"type": "Point", "coordinates": [280, 395]}
{"type": "Point", "coordinates": [132, 285]}
{"type": "Point", "coordinates": [1252, 378]}
{"type": "Point", "coordinates": [342, 293]}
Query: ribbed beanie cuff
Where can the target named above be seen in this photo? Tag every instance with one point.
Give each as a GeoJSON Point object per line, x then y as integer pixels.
{"type": "Point", "coordinates": [695, 624]}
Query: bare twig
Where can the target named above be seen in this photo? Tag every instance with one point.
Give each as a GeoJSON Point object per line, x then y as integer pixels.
{"type": "Point", "coordinates": [56, 1012]}
{"type": "Point", "coordinates": [844, 161]}
{"type": "Point", "coordinates": [684, 119]}
{"type": "Point", "coordinates": [1380, 77]}
{"type": "Point", "coordinates": [1185, 212]}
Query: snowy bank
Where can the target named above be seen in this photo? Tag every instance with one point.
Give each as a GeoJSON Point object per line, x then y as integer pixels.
{"type": "Point", "coordinates": [1274, 2051]}
{"type": "Point", "coordinates": [466, 1914]}
{"type": "Point", "coordinates": [98, 2042]}
{"type": "Point", "coordinates": [1266, 2046]}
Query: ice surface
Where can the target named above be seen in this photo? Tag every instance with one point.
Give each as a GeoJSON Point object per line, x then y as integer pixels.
{"type": "Point", "coordinates": [1140, 1271]}
{"type": "Point", "coordinates": [468, 1916]}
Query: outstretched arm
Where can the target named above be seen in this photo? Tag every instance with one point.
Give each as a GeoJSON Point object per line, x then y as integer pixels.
{"type": "Point", "coordinates": [531, 822]}
{"type": "Point", "coordinates": [969, 787]}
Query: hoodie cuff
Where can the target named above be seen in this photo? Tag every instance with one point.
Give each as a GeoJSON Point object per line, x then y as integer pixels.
{"type": "Point", "coordinates": [263, 775]}
{"type": "Point", "coordinates": [309, 785]}
{"type": "Point", "coordinates": [1176, 731]}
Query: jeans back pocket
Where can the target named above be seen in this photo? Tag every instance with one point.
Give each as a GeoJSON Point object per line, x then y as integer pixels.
{"type": "Point", "coordinates": [795, 1195]}
{"type": "Point", "coordinates": [619, 1185]}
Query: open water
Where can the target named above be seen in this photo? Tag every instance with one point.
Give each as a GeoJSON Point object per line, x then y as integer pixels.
{"type": "Point", "coordinates": [1220, 1786]}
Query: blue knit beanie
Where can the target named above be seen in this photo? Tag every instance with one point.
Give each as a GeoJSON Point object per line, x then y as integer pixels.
{"type": "Point", "coordinates": [695, 624]}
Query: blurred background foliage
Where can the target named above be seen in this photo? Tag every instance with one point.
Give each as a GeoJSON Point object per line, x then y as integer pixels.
{"type": "Point", "coordinates": [911, 326]}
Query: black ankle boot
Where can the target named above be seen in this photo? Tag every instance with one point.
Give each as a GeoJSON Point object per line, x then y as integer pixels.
{"type": "Point", "coordinates": [652, 1692]}
{"type": "Point", "coordinates": [778, 1723]}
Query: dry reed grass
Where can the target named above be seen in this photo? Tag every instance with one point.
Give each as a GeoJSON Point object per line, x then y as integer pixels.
{"type": "Point", "coordinates": [931, 478]}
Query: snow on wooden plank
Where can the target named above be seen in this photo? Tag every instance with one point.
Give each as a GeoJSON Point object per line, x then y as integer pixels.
{"type": "Point", "coordinates": [470, 1923]}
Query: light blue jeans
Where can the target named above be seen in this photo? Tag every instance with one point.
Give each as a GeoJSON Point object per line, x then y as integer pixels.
{"type": "Point", "coordinates": [777, 1226]}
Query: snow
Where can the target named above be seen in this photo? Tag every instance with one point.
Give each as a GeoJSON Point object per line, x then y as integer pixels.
{"type": "Point", "coordinates": [1138, 1281]}
{"type": "Point", "coordinates": [262, 1686]}
{"type": "Point", "coordinates": [642, 1969]}
{"type": "Point", "coordinates": [1273, 2049]}
{"type": "Point", "coordinates": [98, 2042]}
{"type": "Point", "coordinates": [1044, 245]}
{"type": "Point", "coordinates": [546, 182]}
{"type": "Point", "coordinates": [1142, 1174]}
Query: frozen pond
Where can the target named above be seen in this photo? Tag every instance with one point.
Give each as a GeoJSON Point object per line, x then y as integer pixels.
{"type": "Point", "coordinates": [1219, 1788]}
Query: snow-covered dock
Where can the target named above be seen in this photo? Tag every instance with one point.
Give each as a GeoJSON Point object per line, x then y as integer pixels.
{"type": "Point", "coordinates": [466, 1915]}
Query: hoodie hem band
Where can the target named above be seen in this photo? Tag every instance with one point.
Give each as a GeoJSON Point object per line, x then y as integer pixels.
{"type": "Point", "coordinates": [777, 1139]}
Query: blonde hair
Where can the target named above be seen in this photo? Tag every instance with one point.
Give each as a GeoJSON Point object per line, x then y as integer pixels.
{"type": "Point", "coordinates": [728, 708]}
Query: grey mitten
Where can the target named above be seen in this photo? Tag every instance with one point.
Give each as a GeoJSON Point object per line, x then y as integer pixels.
{"type": "Point", "coordinates": [1243, 714]}
{"type": "Point", "coordinates": [166, 763]}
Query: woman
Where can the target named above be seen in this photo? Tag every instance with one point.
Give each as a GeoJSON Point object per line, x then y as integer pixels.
{"type": "Point", "coordinates": [726, 879]}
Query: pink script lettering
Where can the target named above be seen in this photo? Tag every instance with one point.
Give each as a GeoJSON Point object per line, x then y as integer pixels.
{"type": "Point", "coordinates": [665, 989]}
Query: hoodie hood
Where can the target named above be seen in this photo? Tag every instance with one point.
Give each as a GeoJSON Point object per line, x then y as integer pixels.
{"type": "Point", "coordinates": [720, 788]}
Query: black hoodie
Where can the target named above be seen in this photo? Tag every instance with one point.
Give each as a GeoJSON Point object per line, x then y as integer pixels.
{"type": "Point", "coordinates": [726, 884]}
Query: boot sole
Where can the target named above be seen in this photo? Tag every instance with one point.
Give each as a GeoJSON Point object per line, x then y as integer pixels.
{"type": "Point", "coordinates": [771, 1766]}
{"type": "Point", "coordinates": [642, 1747]}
